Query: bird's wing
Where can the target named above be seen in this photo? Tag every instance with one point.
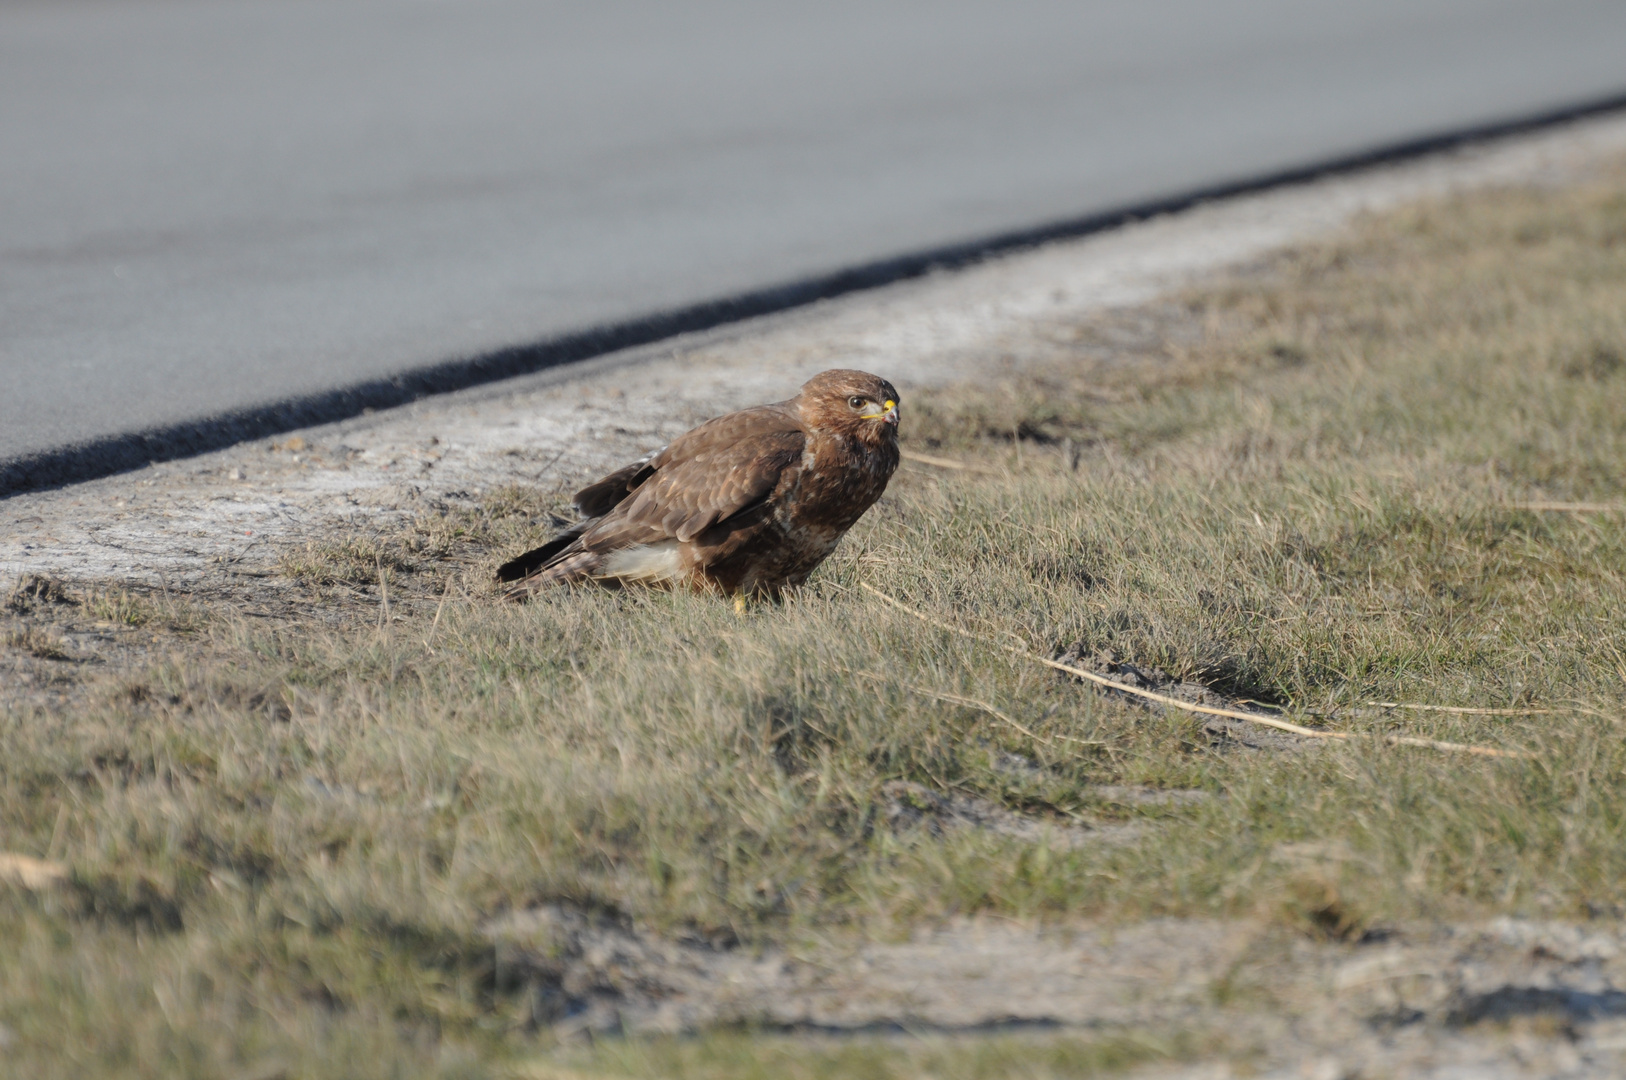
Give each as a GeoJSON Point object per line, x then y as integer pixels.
{"type": "Point", "coordinates": [706, 475]}
{"type": "Point", "coordinates": [706, 482]}
{"type": "Point", "coordinates": [600, 497]}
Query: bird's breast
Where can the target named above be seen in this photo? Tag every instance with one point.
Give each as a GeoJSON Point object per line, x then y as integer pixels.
{"type": "Point", "coordinates": [840, 479]}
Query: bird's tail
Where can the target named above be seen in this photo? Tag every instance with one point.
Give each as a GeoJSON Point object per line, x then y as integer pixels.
{"type": "Point", "coordinates": [569, 569]}
{"type": "Point", "coordinates": [561, 561]}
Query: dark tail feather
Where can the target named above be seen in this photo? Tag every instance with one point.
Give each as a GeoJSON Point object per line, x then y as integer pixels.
{"type": "Point", "coordinates": [529, 563]}
{"type": "Point", "coordinates": [570, 567]}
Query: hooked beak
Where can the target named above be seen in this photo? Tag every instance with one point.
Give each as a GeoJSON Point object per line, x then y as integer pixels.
{"type": "Point", "coordinates": [889, 413]}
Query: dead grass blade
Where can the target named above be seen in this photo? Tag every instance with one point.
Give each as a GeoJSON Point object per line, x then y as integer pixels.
{"type": "Point", "coordinates": [1571, 507]}
{"type": "Point", "coordinates": [31, 873]}
{"type": "Point", "coordinates": [956, 699]}
{"type": "Point", "coordinates": [445, 590]}
{"type": "Point", "coordinates": [1186, 706]}
{"type": "Point", "coordinates": [1459, 709]}
{"type": "Point", "coordinates": [947, 463]}
{"type": "Point", "coordinates": [383, 594]}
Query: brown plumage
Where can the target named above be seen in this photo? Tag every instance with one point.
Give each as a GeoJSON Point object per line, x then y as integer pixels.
{"type": "Point", "coordinates": [748, 503]}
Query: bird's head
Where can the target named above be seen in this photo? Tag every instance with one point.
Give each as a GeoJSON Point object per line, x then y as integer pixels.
{"type": "Point", "coordinates": [852, 402]}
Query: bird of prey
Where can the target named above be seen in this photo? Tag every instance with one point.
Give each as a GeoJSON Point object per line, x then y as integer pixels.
{"type": "Point", "coordinates": [747, 504]}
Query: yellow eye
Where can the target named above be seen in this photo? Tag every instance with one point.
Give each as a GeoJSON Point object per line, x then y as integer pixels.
{"type": "Point", "coordinates": [856, 402]}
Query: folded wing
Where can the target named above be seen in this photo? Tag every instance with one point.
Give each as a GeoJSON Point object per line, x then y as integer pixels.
{"type": "Point", "coordinates": [685, 498]}
{"type": "Point", "coordinates": [711, 475]}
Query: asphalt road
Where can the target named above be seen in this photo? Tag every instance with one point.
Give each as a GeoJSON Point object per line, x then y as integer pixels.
{"type": "Point", "coordinates": [209, 206]}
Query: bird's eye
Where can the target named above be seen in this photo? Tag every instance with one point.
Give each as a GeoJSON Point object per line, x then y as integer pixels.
{"type": "Point", "coordinates": [856, 402]}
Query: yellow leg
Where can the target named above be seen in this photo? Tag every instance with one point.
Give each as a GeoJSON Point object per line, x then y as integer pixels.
{"type": "Point", "coordinates": [739, 604]}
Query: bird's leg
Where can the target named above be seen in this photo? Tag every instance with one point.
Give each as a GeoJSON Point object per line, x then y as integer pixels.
{"type": "Point", "coordinates": [739, 604]}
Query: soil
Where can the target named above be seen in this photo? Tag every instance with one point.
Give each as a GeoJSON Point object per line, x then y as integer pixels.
{"type": "Point", "coordinates": [1508, 998]}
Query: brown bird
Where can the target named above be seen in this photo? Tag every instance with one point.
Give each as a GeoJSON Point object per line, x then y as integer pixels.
{"type": "Point", "coordinates": [747, 504]}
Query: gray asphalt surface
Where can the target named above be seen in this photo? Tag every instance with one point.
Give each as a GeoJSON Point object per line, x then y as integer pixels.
{"type": "Point", "coordinates": [211, 205]}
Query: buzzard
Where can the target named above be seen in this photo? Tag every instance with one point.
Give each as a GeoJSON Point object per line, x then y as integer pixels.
{"type": "Point", "coordinates": [747, 504]}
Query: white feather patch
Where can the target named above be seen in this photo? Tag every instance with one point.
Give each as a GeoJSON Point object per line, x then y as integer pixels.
{"type": "Point", "coordinates": [644, 562]}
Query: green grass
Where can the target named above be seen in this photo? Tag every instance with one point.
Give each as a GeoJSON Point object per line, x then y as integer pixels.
{"type": "Point", "coordinates": [1297, 486]}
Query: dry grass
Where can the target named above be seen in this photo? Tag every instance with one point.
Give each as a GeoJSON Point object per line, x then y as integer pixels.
{"type": "Point", "coordinates": [1296, 487]}
{"type": "Point", "coordinates": [758, 1057]}
{"type": "Point", "coordinates": [38, 643]}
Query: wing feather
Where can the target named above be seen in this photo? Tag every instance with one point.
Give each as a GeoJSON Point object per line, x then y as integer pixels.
{"type": "Point", "coordinates": [599, 498]}
{"type": "Point", "coordinates": [685, 498]}
{"type": "Point", "coordinates": [523, 566]}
